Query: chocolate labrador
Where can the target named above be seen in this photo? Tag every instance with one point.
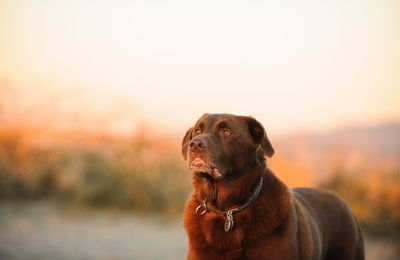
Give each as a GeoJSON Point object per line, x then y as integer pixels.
{"type": "Point", "coordinates": [240, 210]}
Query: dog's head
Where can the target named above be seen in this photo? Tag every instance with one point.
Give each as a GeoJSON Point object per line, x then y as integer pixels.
{"type": "Point", "coordinates": [221, 145]}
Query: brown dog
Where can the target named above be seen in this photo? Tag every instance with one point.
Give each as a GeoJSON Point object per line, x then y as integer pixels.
{"type": "Point", "coordinates": [240, 210]}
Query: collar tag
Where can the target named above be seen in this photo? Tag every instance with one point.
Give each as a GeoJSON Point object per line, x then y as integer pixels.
{"type": "Point", "coordinates": [229, 221]}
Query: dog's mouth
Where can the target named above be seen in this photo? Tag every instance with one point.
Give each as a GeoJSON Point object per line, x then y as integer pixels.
{"type": "Point", "coordinates": [203, 169]}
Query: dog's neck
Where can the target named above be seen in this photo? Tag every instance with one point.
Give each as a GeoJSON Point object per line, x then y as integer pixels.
{"type": "Point", "coordinates": [273, 202]}
{"type": "Point", "coordinates": [230, 192]}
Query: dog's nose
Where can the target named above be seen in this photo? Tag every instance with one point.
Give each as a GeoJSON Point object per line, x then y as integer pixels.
{"type": "Point", "coordinates": [198, 143]}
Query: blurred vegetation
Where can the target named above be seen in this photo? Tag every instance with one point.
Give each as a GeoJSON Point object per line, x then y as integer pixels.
{"type": "Point", "coordinates": [148, 174]}
{"type": "Point", "coordinates": [373, 196]}
{"type": "Point", "coordinates": [138, 173]}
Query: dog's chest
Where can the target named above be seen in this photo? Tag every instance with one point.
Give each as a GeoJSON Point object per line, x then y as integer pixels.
{"type": "Point", "coordinates": [238, 243]}
{"type": "Point", "coordinates": [215, 235]}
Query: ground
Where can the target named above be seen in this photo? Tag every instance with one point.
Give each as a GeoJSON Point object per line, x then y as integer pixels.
{"type": "Point", "coordinates": [49, 231]}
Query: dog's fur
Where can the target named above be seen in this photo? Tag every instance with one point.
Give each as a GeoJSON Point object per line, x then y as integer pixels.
{"type": "Point", "coordinates": [226, 155]}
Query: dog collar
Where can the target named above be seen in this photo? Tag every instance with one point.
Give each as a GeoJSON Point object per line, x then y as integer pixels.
{"type": "Point", "coordinates": [203, 208]}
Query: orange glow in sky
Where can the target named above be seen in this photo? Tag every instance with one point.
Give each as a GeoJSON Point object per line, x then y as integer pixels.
{"type": "Point", "coordinates": [303, 65]}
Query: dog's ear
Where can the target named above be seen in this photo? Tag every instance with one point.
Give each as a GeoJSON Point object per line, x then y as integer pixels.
{"type": "Point", "coordinates": [185, 141]}
{"type": "Point", "coordinates": [260, 136]}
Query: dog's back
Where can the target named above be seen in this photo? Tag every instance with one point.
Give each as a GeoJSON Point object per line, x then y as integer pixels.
{"type": "Point", "coordinates": [331, 221]}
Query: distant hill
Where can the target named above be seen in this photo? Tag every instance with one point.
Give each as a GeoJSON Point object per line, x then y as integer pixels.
{"type": "Point", "coordinates": [354, 150]}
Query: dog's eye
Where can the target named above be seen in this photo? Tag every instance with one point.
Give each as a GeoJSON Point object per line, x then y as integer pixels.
{"type": "Point", "coordinates": [227, 132]}
{"type": "Point", "coordinates": [197, 132]}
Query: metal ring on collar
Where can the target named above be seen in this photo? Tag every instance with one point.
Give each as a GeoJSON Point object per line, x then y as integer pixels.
{"type": "Point", "coordinates": [200, 213]}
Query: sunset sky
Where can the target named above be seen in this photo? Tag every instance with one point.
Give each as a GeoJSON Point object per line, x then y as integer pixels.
{"type": "Point", "coordinates": [294, 65]}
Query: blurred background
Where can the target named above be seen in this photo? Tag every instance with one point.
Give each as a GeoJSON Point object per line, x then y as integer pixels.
{"type": "Point", "coordinates": [95, 97]}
